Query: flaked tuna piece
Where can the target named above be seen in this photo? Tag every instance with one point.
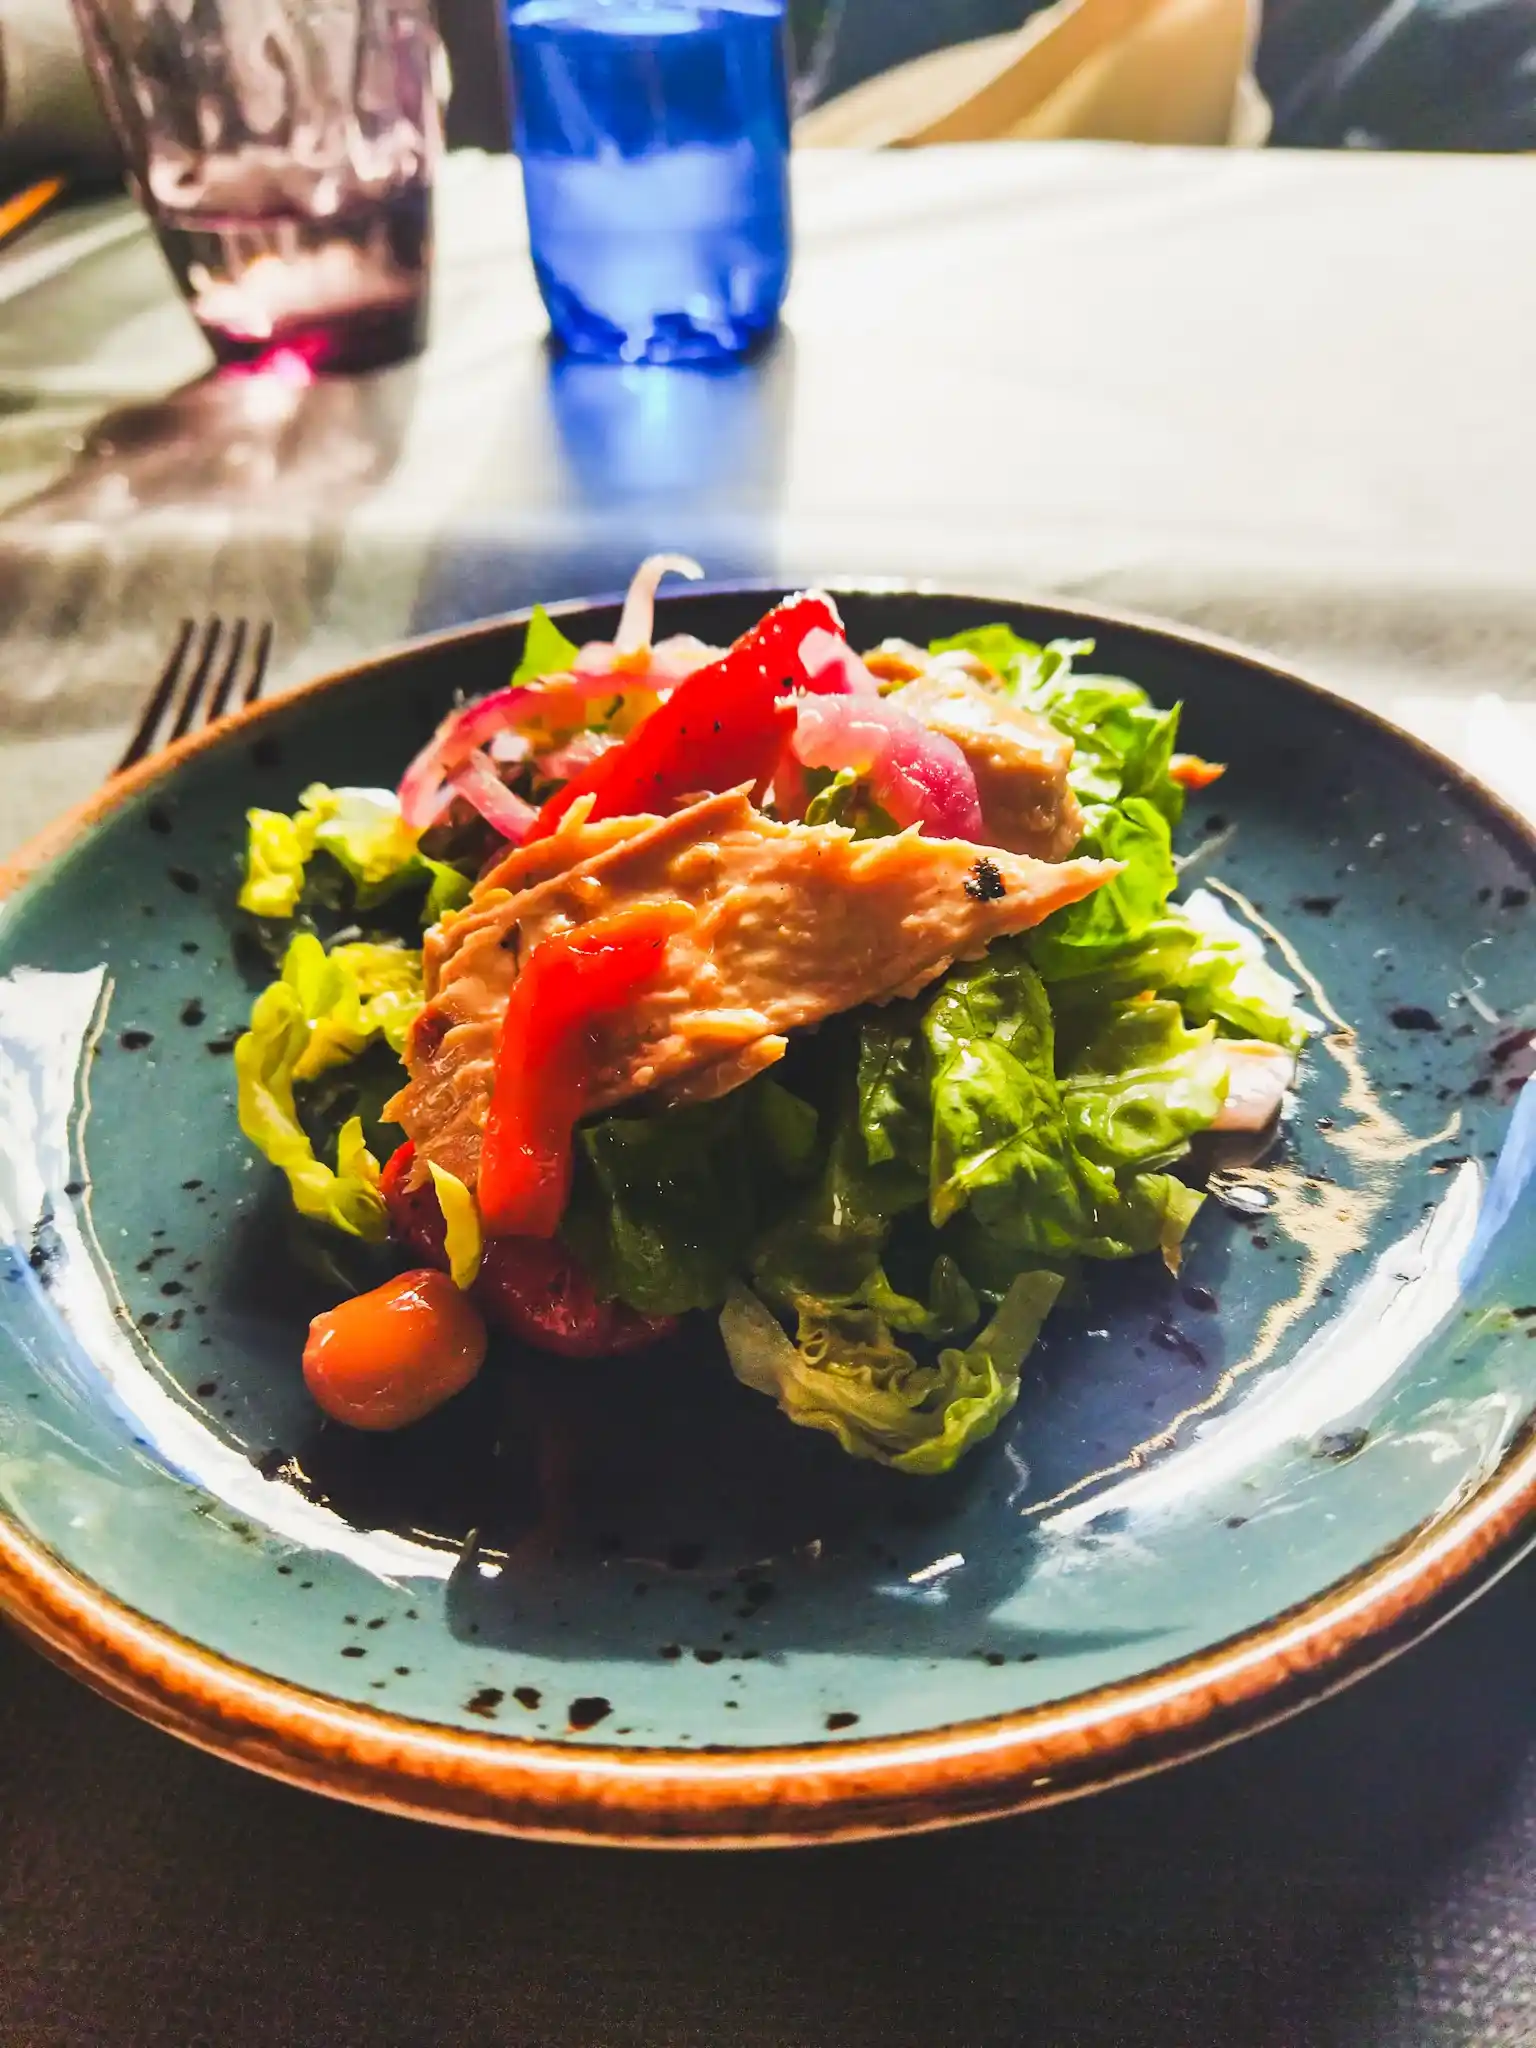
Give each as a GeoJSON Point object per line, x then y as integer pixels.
{"type": "Point", "coordinates": [1020, 761]}
{"type": "Point", "coordinates": [792, 924]}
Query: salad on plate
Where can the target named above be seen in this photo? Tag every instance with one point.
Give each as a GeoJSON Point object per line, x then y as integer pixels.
{"type": "Point", "coordinates": [840, 997]}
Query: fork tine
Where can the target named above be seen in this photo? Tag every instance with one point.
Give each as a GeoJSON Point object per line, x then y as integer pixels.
{"type": "Point", "coordinates": [219, 701]}
{"type": "Point", "coordinates": [197, 682]}
{"type": "Point", "coordinates": [260, 656]}
{"type": "Point", "coordinates": [160, 699]}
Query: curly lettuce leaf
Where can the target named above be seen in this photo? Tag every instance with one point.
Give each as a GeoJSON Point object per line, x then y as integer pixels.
{"type": "Point", "coordinates": [844, 1373]}
{"type": "Point", "coordinates": [363, 832]}
{"type": "Point", "coordinates": [845, 799]}
{"type": "Point", "coordinates": [276, 1052]}
{"type": "Point", "coordinates": [546, 651]}
{"type": "Point", "coordinates": [349, 997]}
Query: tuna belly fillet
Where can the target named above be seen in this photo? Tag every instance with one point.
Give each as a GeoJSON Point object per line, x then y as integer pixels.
{"type": "Point", "coordinates": [789, 924]}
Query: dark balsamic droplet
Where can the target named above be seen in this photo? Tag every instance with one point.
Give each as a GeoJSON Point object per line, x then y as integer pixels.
{"type": "Point", "coordinates": [527, 1696]}
{"type": "Point", "coordinates": [1320, 906]}
{"type": "Point", "coordinates": [221, 1047]}
{"type": "Point", "coordinates": [135, 1040]}
{"type": "Point", "coordinates": [74, 1187]}
{"type": "Point", "coordinates": [206, 1389]}
{"type": "Point", "coordinates": [1513, 899]}
{"type": "Point", "coordinates": [1339, 1444]}
{"type": "Point", "coordinates": [1172, 1338]}
{"type": "Point", "coordinates": [1200, 1297]}
{"type": "Point", "coordinates": [158, 819]}
{"type": "Point", "coordinates": [485, 1702]}
{"type": "Point", "coordinates": [354, 1650]}
{"type": "Point", "coordinates": [192, 1011]}
{"type": "Point", "coordinates": [708, 1656]}
{"type": "Point", "coordinates": [841, 1720]}
{"type": "Point", "coordinates": [1414, 1017]}
{"type": "Point", "coordinates": [184, 880]}
{"type": "Point", "coordinates": [189, 946]}
{"type": "Point", "coordinates": [671, 1651]}
{"type": "Point", "coordinates": [588, 1711]}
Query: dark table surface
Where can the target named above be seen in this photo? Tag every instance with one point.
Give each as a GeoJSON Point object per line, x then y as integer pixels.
{"type": "Point", "coordinates": [1365, 1874]}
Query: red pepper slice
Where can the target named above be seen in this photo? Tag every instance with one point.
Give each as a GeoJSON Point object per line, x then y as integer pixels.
{"type": "Point", "coordinates": [530, 1288]}
{"type": "Point", "coordinates": [723, 725]}
{"type": "Point", "coordinates": [566, 984]}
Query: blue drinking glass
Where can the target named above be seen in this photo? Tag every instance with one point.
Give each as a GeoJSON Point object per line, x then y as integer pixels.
{"type": "Point", "coordinates": [654, 137]}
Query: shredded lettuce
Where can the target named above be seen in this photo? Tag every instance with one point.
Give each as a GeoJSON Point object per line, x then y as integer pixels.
{"type": "Point", "coordinates": [324, 1009]}
{"type": "Point", "coordinates": [844, 1373]}
{"type": "Point", "coordinates": [363, 832]}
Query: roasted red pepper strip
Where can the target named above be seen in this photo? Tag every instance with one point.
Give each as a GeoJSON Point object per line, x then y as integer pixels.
{"type": "Point", "coordinates": [567, 983]}
{"type": "Point", "coordinates": [531, 1288]}
{"type": "Point", "coordinates": [722, 726]}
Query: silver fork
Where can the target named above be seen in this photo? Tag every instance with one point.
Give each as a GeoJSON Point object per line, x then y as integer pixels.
{"type": "Point", "coordinates": [210, 668]}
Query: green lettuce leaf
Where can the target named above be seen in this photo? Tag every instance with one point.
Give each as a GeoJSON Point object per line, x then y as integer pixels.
{"type": "Point", "coordinates": [844, 799]}
{"type": "Point", "coordinates": [323, 1011]}
{"type": "Point", "coordinates": [546, 651]}
{"type": "Point", "coordinates": [363, 832]}
{"type": "Point", "coordinates": [1023, 665]}
{"type": "Point", "coordinates": [1085, 936]}
{"type": "Point", "coordinates": [1047, 1169]}
{"type": "Point", "coordinates": [845, 1373]}
{"type": "Point", "coordinates": [1142, 1087]}
{"type": "Point", "coordinates": [1226, 977]}
{"type": "Point", "coordinates": [665, 1208]}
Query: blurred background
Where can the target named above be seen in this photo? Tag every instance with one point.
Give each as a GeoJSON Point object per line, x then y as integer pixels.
{"type": "Point", "coordinates": [1349, 74]}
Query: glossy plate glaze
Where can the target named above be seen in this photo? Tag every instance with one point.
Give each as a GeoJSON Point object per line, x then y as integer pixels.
{"type": "Point", "coordinates": [629, 1602]}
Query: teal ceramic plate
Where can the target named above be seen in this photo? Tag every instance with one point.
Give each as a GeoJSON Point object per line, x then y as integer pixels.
{"type": "Point", "coordinates": [629, 1602]}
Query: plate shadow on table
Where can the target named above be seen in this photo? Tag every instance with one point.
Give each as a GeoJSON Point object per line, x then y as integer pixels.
{"type": "Point", "coordinates": [154, 1895]}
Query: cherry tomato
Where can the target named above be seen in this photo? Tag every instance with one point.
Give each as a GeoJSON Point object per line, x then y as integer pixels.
{"type": "Point", "coordinates": [533, 1289]}
{"type": "Point", "coordinates": [385, 1359]}
{"type": "Point", "coordinates": [530, 1288]}
{"type": "Point", "coordinates": [415, 1218]}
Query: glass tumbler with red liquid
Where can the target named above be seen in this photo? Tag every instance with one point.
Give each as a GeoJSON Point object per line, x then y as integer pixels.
{"type": "Point", "coordinates": [285, 151]}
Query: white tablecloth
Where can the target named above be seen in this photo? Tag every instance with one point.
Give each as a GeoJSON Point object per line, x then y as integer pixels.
{"type": "Point", "coordinates": [1288, 398]}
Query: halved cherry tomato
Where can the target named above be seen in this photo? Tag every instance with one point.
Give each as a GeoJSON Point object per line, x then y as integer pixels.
{"type": "Point", "coordinates": [386, 1358]}
{"type": "Point", "coordinates": [531, 1288]}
